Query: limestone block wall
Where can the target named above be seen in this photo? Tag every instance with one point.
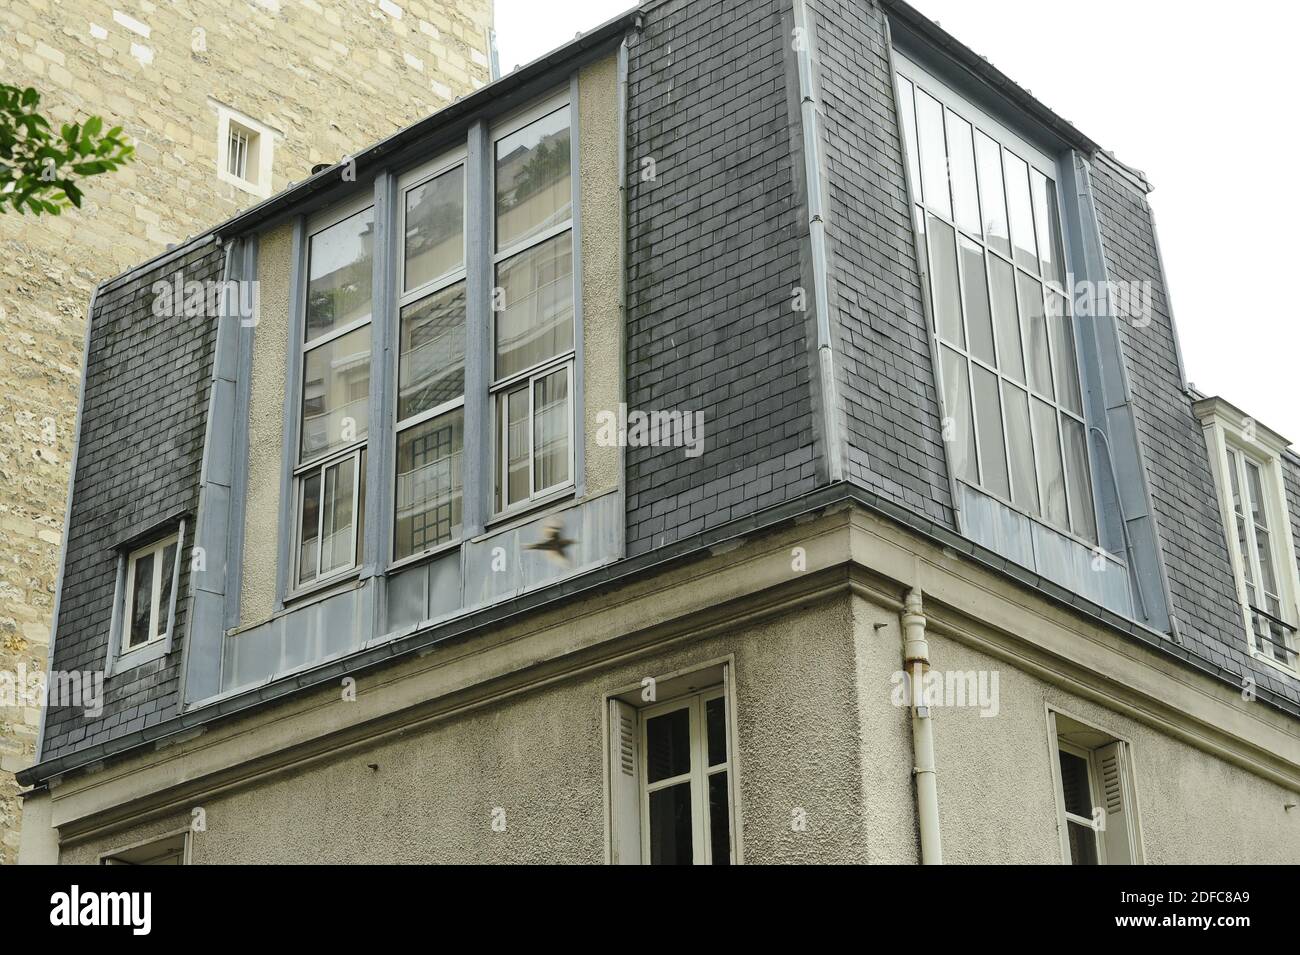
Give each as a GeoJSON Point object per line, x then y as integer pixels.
{"type": "Point", "coordinates": [323, 77]}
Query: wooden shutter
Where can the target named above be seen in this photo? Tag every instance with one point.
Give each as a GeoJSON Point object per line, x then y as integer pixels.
{"type": "Point", "coordinates": [1116, 797]}
{"type": "Point", "coordinates": [624, 785]}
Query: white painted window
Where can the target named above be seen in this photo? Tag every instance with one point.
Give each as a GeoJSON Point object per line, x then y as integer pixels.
{"type": "Point", "coordinates": [152, 575]}
{"type": "Point", "coordinates": [334, 413]}
{"type": "Point", "coordinates": [244, 151]}
{"type": "Point", "coordinates": [533, 327]}
{"type": "Point", "coordinates": [1247, 461]}
{"type": "Point", "coordinates": [989, 226]}
{"type": "Point", "coordinates": [1096, 801]}
{"type": "Point", "coordinates": [672, 777]}
{"type": "Point", "coordinates": [171, 850]}
{"type": "Point", "coordinates": [431, 359]}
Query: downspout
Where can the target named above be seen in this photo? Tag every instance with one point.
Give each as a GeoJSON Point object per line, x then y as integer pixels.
{"type": "Point", "coordinates": [817, 242]}
{"type": "Point", "coordinates": [916, 663]}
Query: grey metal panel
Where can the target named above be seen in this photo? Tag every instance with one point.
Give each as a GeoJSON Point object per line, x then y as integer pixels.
{"type": "Point", "coordinates": [239, 466]}
{"type": "Point", "coordinates": [476, 459]}
{"type": "Point", "coordinates": [408, 597]}
{"type": "Point", "coordinates": [380, 437]}
{"type": "Point", "coordinates": [579, 390]}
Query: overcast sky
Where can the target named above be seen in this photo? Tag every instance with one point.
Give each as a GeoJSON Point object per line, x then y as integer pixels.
{"type": "Point", "coordinates": [1197, 97]}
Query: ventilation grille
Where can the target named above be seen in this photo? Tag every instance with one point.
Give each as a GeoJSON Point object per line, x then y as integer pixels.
{"type": "Point", "coordinates": [626, 760]}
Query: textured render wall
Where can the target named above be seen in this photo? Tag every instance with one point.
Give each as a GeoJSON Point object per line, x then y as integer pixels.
{"type": "Point", "coordinates": [1192, 537]}
{"type": "Point", "coordinates": [602, 263]}
{"type": "Point", "coordinates": [884, 369]}
{"type": "Point", "coordinates": [1193, 808]}
{"type": "Point", "coordinates": [266, 426]}
{"type": "Point", "coordinates": [539, 756]}
{"type": "Point", "coordinates": [328, 77]}
{"type": "Point", "coordinates": [713, 257]}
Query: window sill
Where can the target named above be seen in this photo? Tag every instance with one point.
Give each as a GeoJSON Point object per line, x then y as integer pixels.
{"type": "Point", "coordinates": [424, 555]}
{"type": "Point", "coordinates": [1261, 657]}
{"type": "Point", "coordinates": [155, 649]}
{"type": "Point", "coordinates": [322, 588]}
{"type": "Point", "coordinates": [521, 513]}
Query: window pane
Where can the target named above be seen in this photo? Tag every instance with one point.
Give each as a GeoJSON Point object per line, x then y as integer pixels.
{"type": "Point", "coordinates": [1034, 323]}
{"type": "Point", "coordinates": [1011, 360]}
{"type": "Point", "coordinates": [551, 429]}
{"type": "Point", "coordinates": [1022, 215]}
{"type": "Point", "coordinates": [429, 489]}
{"type": "Point", "coordinates": [975, 288]}
{"type": "Point", "coordinates": [336, 542]}
{"type": "Point", "coordinates": [532, 179]}
{"type": "Point", "coordinates": [1075, 785]}
{"type": "Point", "coordinates": [993, 202]}
{"type": "Point", "coordinates": [988, 416]}
{"type": "Point", "coordinates": [668, 745]}
{"type": "Point", "coordinates": [719, 821]}
{"type": "Point", "coordinates": [168, 570]}
{"type": "Point", "coordinates": [336, 393]}
{"type": "Point", "coordinates": [934, 158]}
{"type": "Point", "coordinates": [435, 226]}
{"type": "Point", "coordinates": [309, 528]}
{"type": "Point", "coordinates": [961, 167]}
{"type": "Point", "coordinates": [1051, 478]}
{"type": "Point", "coordinates": [340, 272]}
{"type": "Point", "coordinates": [431, 369]}
{"type": "Point", "coordinates": [1024, 485]}
{"type": "Point", "coordinates": [670, 825]}
{"type": "Point", "coordinates": [1082, 518]}
{"type": "Point", "coordinates": [1067, 362]}
{"type": "Point", "coordinates": [536, 320]}
{"type": "Point", "coordinates": [715, 718]}
{"type": "Point", "coordinates": [1263, 540]}
{"type": "Point", "coordinates": [907, 107]}
{"type": "Point", "coordinates": [958, 432]}
{"type": "Point", "coordinates": [943, 269]}
{"type": "Point", "coordinates": [1048, 223]}
{"type": "Point", "coordinates": [141, 601]}
{"type": "Point", "coordinates": [1083, 844]}
{"type": "Point", "coordinates": [512, 416]}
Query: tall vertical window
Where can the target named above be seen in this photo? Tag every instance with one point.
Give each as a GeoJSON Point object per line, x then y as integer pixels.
{"type": "Point", "coordinates": [151, 576]}
{"type": "Point", "coordinates": [1260, 559]}
{"type": "Point", "coordinates": [237, 152]}
{"type": "Point", "coordinates": [1097, 803]}
{"type": "Point", "coordinates": [431, 360]}
{"type": "Point", "coordinates": [335, 411]}
{"type": "Point", "coordinates": [988, 221]}
{"type": "Point", "coordinates": [533, 308]}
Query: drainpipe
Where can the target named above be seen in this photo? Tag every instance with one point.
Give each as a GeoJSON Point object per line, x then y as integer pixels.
{"type": "Point", "coordinates": [916, 661]}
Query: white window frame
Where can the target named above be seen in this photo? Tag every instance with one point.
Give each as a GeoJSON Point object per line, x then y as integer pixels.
{"type": "Point", "coordinates": [504, 128]}
{"type": "Point", "coordinates": [155, 549]}
{"type": "Point", "coordinates": [627, 804]}
{"type": "Point", "coordinates": [304, 467]}
{"type": "Point", "coordinates": [260, 159]}
{"type": "Point", "coordinates": [1233, 437]}
{"type": "Point", "coordinates": [1120, 842]}
{"type": "Point", "coordinates": [1007, 141]}
{"type": "Point", "coordinates": [500, 395]}
{"type": "Point", "coordinates": [405, 184]}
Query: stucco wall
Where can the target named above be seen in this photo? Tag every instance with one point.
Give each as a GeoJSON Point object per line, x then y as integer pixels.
{"type": "Point", "coordinates": [266, 426]}
{"type": "Point", "coordinates": [428, 795]}
{"type": "Point", "coordinates": [996, 798]}
{"type": "Point", "coordinates": [602, 274]}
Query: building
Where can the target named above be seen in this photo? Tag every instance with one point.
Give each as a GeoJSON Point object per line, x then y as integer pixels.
{"type": "Point", "coordinates": [730, 438]}
{"type": "Point", "coordinates": [228, 102]}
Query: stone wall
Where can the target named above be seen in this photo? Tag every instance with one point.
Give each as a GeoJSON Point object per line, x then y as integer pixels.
{"type": "Point", "coordinates": [325, 77]}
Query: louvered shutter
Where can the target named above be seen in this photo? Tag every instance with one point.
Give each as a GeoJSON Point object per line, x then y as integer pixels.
{"type": "Point", "coordinates": [624, 786]}
{"type": "Point", "coordinates": [1116, 798]}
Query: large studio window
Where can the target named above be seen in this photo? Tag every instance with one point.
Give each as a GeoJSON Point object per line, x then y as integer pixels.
{"type": "Point", "coordinates": [533, 308]}
{"type": "Point", "coordinates": [989, 226]}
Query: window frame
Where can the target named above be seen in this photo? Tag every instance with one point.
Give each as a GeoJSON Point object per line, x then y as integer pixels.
{"type": "Point", "coordinates": [501, 450]}
{"type": "Point", "coordinates": [513, 123]}
{"type": "Point", "coordinates": [698, 775]}
{"type": "Point", "coordinates": [922, 82]}
{"type": "Point", "coordinates": [155, 549]}
{"type": "Point", "coordinates": [301, 468]}
{"type": "Point", "coordinates": [1086, 740]}
{"type": "Point", "coordinates": [1229, 432]}
{"type": "Point", "coordinates": [406, 182]}
{"type": "Point", "coordinates": [259, 158]}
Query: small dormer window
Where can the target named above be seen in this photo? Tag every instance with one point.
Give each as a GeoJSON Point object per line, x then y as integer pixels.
{"type": "Point", "coordinates": [243, 151]}
{"type": "Point", "coordinates": [1247, 461]}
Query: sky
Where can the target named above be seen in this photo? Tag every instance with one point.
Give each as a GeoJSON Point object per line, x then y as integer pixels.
{"type": "Point", "coordinates": [1194, 95]}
